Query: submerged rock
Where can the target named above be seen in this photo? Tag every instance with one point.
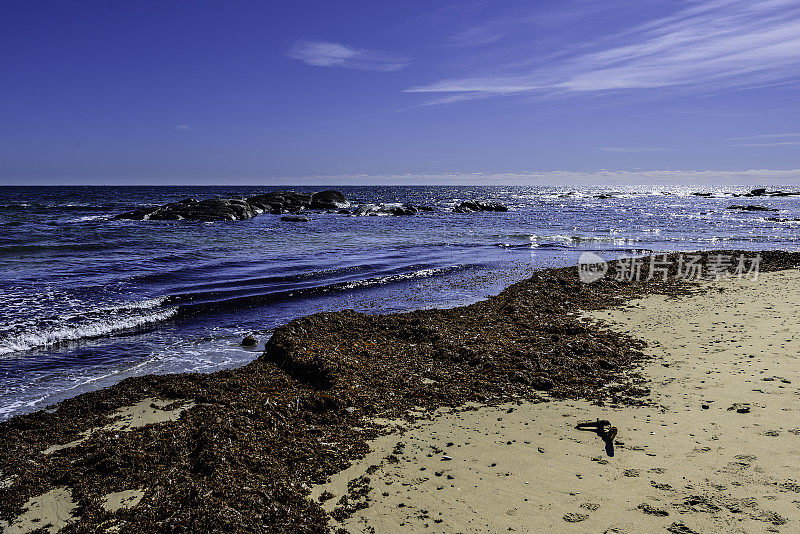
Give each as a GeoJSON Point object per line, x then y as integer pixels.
{"type": "Point", "coordinates": [249, 340]}
{"type": "Point", "coordinates": [294, 218]}
{"type": "Point", "coordinates": [750, 208]}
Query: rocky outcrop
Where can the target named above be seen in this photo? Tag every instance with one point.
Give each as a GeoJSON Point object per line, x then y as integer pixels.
{"type": "Point", "coordinates": [759, 192]}
{"type": "Point", "coordinates": [291, 201]}
{"type": "Point", "coordinates": [232, 209]}
{"type": "Point", "coordinates": [285, 203]}
{"type": "Point", "coordinates": [470, 206]}
{"type": "Point", "coordinates": [329, 200]}
{"type": "Point", "coordinates": [762, 192]}
{"type": "Point", "coordinates": [385, 210]}
{"type": "Point", "coordinates": [279, 202]}
{"type": "Point", "coordinates": [190, 209]}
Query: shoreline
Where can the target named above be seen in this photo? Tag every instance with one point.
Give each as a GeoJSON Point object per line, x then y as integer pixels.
{"type": "Point", "coordinates": [255, 439]}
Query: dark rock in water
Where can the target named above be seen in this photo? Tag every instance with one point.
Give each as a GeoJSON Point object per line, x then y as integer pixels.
{"type": "Point", "coordinates": [190, 209]}
{"type": "Point", "coordinates": [384, 210]}
{"type": "Point", "coordinates": [343, 212]}
{"type": "Point", "coordinates": [703, 194]}
{"type": "Point", "coordinates": [764, 193]}
{"type": "Point", "coordinates": [750, 208]}
{"type": "Point", "coordinates": [279, 202]}
{"type": "Point", "coordinates": [366, 209]}
{"type": "Point", "coordinates": [294, 218]}
{"type": "Point", "coordinates": [603, 196]}
{"type": "Point", "coordinates": [425, 208]}
{"type": "Point", "coordinates": [291, 201]}
{"type": "Point", "coordinates": [227, 209]}
{"type": "Point", "coordinates": [249, 340]}
{"type": "Point", "coordinates": [329, 200]}
{"type": "Point", "coordinates": [470, 206]}
{"type": "Point", "coordinates": [403, 210]}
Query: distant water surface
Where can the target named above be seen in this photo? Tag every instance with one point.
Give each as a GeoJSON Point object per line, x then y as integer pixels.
{"type": "Point", "coordinates": [86, 301]}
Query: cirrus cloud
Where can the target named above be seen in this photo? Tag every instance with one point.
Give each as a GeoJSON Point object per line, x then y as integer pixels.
{"type": "Point", "coordinates": [330, 54]}
{"type": "Point", "coordinates": [701, 45]}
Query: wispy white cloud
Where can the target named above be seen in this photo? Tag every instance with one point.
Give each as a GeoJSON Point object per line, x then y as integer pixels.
{"type": "Point", "coordinates": [704, 44]}
{"type": "Point", "coordinates": [327, 54]}
{"type": "Point", "coordinates": [765, 136]}
{"type": "Point", "coordinates": [475, 36]}
{"type": "Point", "coordinates": [631, 149]}
{"type": "Point", "coordinates": [778, 143]}
{"type": "Point", "coordinates": [182, 127]}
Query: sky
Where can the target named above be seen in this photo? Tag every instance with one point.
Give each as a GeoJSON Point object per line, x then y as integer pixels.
{"type": "Point", "coordinates": [427, 91]}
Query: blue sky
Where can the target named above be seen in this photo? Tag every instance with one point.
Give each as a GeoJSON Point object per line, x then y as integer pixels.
{"type": "Point", "coordinates": [253, 92]}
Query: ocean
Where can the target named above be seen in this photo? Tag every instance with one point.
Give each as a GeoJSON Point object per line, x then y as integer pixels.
{"type": "Point", "coordinates": [86, 301]}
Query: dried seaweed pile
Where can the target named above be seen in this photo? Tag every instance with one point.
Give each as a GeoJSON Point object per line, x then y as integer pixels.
{"type": "Point", "coordinates": [243, 458]}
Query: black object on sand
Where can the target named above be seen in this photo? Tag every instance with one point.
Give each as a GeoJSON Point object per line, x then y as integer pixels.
{"type": "Point", "coordinates": [603, 429]}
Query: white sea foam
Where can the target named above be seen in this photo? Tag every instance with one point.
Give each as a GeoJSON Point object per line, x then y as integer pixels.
{"type": "Point", "coordinates": [571, 239]}
{"type": "Point", "coordinates": [422, 273]}
{"type": "Point", "coordinates": [92, 329]}
{"type": "Point", "coordinates": [6, 410]}
{"type": "Point", "coordinates": [86, 218]}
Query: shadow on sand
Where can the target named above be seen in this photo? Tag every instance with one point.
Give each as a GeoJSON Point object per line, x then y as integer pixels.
{"type": "Point", "coordinates": [604, 430]}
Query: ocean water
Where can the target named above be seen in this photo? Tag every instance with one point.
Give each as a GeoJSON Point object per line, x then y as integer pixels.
{"type": "Point", "coordinates": [86, 301]}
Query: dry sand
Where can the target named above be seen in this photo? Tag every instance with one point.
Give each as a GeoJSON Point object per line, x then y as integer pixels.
{"type": "Point", "coordinates": [717, 451]}
{"type": "Point", "coordinates": [51, 511]}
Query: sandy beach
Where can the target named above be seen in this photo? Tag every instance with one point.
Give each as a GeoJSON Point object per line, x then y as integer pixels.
{"type": "Point", "coordinates": [716, 451]}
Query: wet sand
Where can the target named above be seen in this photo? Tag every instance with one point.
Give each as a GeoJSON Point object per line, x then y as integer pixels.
{"type": "Point", "coordinates": [716, 451]}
